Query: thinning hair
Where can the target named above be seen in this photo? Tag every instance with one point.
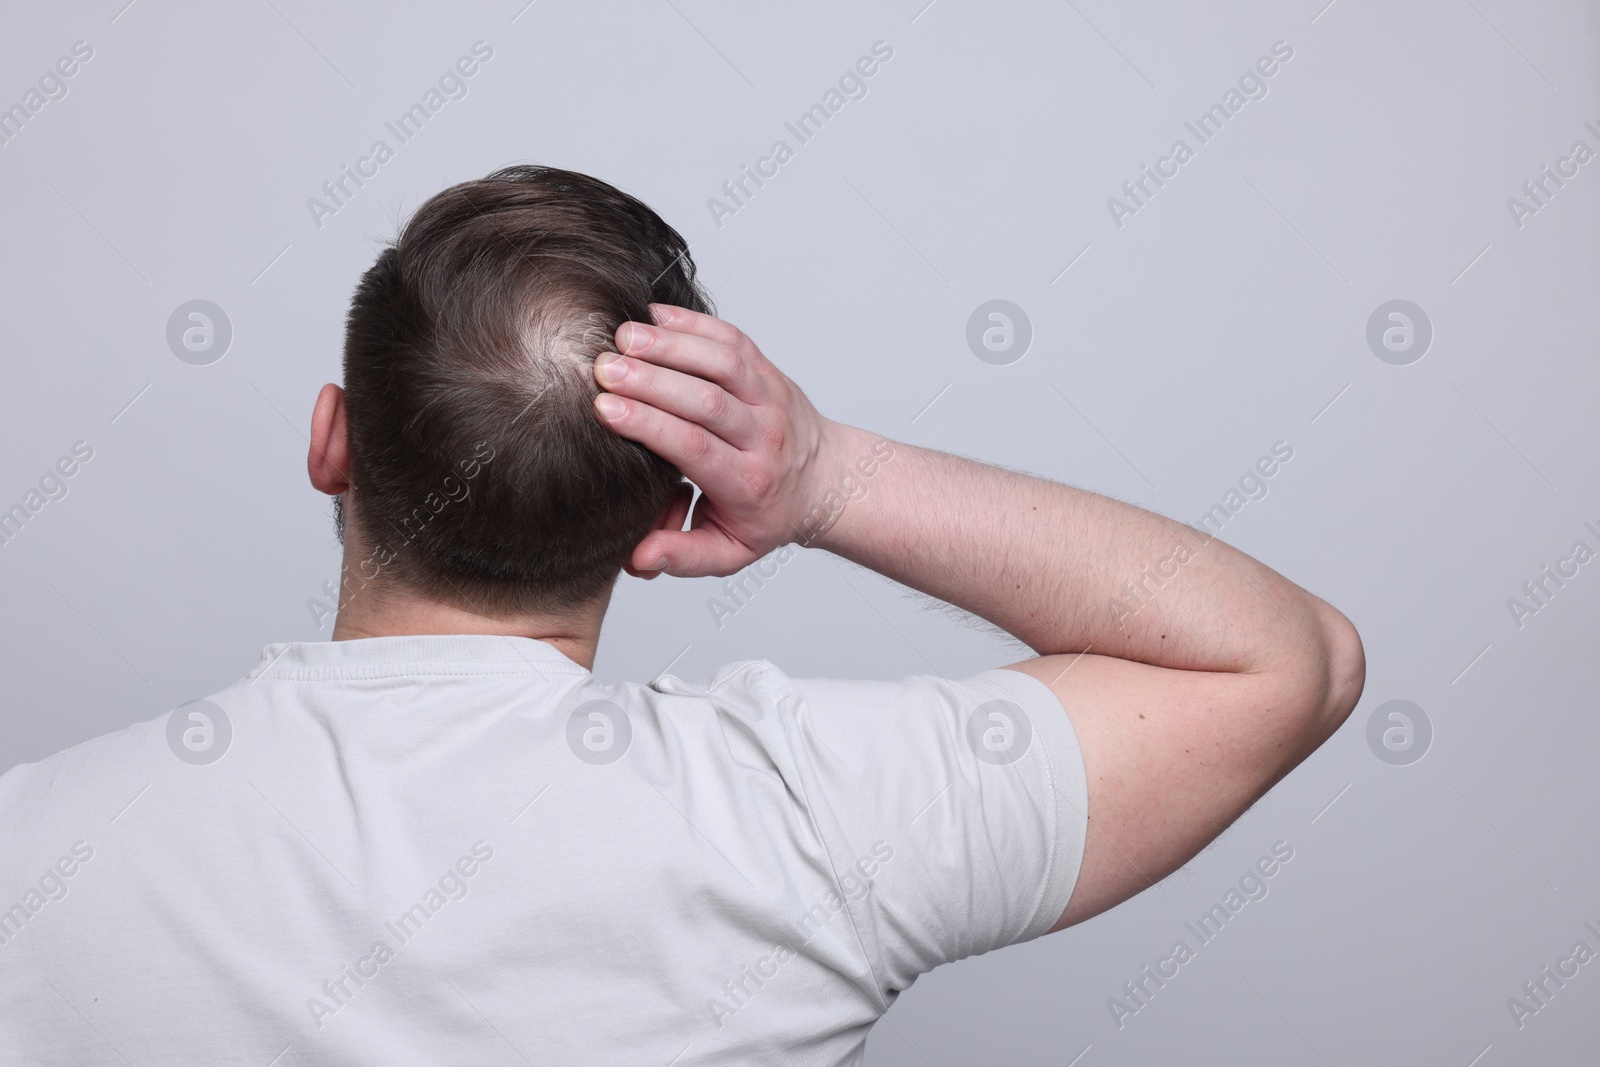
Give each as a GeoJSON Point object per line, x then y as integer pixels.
{"type": "Point", "coordinates": [482, 476]}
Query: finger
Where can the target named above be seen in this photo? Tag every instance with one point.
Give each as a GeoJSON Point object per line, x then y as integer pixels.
{"type": "Point", "coordinates": [691, 553]}
{"type": "Point", "coordinates": [672, 317]}
{"type": "Point", "coordinates": [721, 331]}
{"type": "Point", "coordinates": [699, 454]}
{"type": "Point", "coordinates": [733, 367]}
{"type": "Point", "coordinates": [693, 399]}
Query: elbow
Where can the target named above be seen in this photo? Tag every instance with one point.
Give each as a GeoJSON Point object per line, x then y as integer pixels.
{"type": "Point", "coordinates": [1343, 672]}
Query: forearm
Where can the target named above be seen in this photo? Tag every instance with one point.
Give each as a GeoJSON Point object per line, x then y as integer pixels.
{"type": "Point", "coordinates": [1066, 570]}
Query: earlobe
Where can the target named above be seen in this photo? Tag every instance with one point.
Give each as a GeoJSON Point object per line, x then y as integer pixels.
{"type": "Point", "coordinates": [327, 461]}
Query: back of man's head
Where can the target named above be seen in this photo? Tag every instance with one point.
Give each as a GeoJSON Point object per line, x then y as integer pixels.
{"type": "Point", "coordinates": [475, 335]}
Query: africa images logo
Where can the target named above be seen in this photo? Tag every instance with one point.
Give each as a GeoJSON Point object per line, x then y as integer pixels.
{"type": "Point", "coordinates": [199, 733]}
{"type": "Point", "coordinates": [999, 732]}
{"type": "Point", "coordinates": [599, 732]}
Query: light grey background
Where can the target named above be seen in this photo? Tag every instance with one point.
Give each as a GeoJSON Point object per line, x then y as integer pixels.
{"type": "Point", "coordinates": [1228, 314]}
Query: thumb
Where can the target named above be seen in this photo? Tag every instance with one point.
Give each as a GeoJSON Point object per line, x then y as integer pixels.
{"type": "Point", "coordinates": [690, 553]}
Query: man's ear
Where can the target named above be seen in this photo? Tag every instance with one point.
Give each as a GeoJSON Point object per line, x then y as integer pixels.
{"type": "Point", "coordinates": [329, 458]}
{"type": "Point", "coordinates": [672, 518]}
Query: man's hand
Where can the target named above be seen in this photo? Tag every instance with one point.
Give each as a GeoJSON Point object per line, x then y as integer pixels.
{"type": "Point", "coordinates": [697, 392]}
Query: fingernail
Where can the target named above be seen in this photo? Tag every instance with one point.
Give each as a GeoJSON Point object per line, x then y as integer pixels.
{"type": "Point", "coordinates": [633, 338]}
{"type": "Point", "coordinates": [610, 407]}
{"type": "Point", "coordinates": [611, 367]}
{"type": "Point", "coordinates": [660, 564]}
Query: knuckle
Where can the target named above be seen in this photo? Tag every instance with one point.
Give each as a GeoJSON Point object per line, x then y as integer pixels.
{"type": "Point", "coordinates": [696, 444]}
{"type": "Point", "coordinates": [761, 482]}
{"type": "Point", "coordinates": [750, 351]}
{"type": "Point", "coordinates": [773, 439]}
{"type": "Point", "coordinates": [713, 403]}
{"type": "Point", "coordinates": [729, 364]}
{"type": "Point", "coordinates": [766, 383]}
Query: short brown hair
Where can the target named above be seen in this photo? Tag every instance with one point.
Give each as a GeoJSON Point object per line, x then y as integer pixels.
{"type": "Point", "coordinates": [475, 333]}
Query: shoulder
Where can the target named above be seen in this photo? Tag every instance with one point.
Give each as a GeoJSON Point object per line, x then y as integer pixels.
{"type": "Point", "coordinates": [83, 788]}
{"type": "Point", "coordinates": [748, 688]}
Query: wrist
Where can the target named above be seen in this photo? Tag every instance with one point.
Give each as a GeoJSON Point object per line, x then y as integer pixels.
{"type": "Point", "coordinates": [849, 461]}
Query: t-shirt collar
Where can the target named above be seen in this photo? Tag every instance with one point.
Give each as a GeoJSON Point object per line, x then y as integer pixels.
{"type": "Point", "coordinates": [411, 653]}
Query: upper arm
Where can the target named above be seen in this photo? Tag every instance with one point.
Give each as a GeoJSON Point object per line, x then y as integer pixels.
{"type": "Point", "coordinates": [958, 800]}
{"type": "Point", "coordinates": [1172, 757]}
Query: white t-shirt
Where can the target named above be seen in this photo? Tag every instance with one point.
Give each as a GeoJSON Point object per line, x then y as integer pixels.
{"type": "Point", "coordinates": [465, 849]}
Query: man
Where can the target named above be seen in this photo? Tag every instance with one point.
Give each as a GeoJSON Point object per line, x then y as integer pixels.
{"type": "Point", "coordinates": [439, 839]}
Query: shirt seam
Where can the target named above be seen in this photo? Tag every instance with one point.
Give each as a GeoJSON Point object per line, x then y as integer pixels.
{"type": "Point", "coordinates": [833, 868]}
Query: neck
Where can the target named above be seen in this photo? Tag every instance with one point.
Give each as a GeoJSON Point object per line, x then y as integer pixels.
{"type": "Point", "coordinates": [395, 613]}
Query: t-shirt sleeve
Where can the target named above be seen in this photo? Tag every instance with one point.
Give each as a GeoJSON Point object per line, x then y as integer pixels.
{"type": "Point", "coordinates": [953, 812]}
